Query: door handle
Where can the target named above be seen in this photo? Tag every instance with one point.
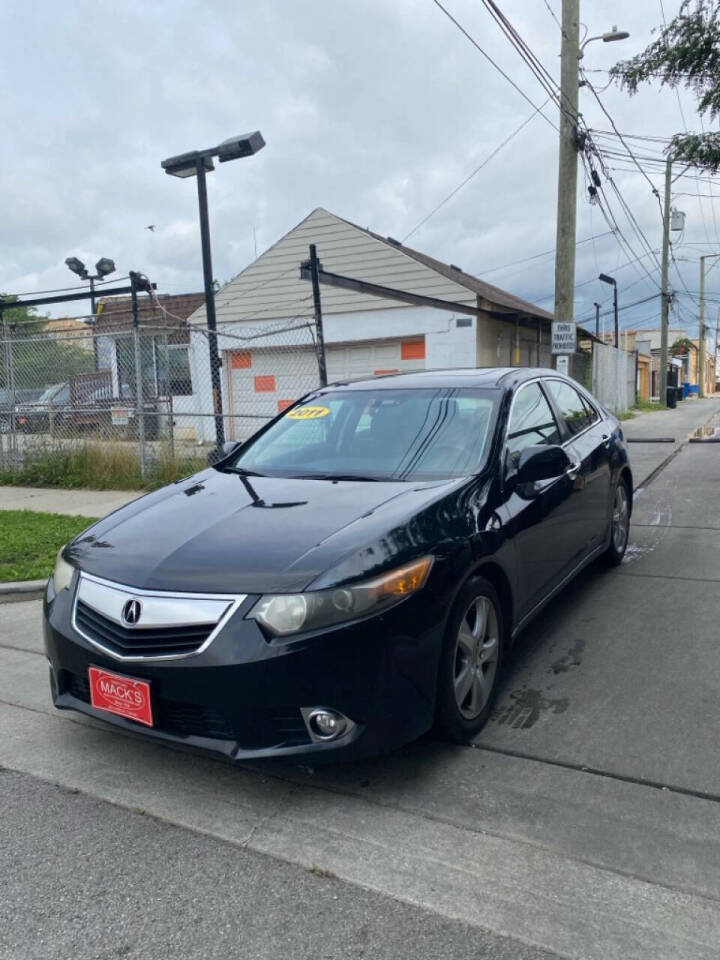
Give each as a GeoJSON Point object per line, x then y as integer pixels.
{"type": "Point", "coordinates": [573, 470]}
{"type": "Point", "coordinates": [606, 439]}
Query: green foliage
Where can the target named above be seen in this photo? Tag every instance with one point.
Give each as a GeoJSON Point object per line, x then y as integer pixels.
{"type": "Point", "coordinates": [685, 53]}
{"type": "Point", "coordinates": [30, 542]}
{"type": "Point", "coordinates": [682, 345]}
{"type": "Point", "coordinates": [38, 358]}
{"type": "Point", "coordinates": [98, 467]}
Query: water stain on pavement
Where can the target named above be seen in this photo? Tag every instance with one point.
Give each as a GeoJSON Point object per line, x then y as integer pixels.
{"type": "Point", "coordinates": [526, 709]}
{"type": "Point", "coordinates": [573, 658]}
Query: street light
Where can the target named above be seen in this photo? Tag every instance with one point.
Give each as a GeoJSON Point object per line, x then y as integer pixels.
{"type": "Point", "coordinates": [104, 266]}
{"type": "Point", "coordinates": [195, 164]}
{"type": "Point", "coordinates": [609, 37]}
{"type": "Point", "coordinates": [613, 282]}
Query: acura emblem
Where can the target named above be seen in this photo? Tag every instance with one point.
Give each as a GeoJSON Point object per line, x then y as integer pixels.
{"type": "Point", "coordinates": [131, 612]}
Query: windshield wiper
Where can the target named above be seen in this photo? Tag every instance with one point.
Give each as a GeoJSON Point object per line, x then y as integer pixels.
{"type": "Point", "coordinates": [241, 471]}
{"type": "Point", "coordinates": [336, 476]}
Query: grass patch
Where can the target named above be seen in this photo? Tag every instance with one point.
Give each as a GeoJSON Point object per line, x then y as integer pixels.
{"type": "Point", "coordinates": [29, 542]}
{"type": "Point", "coordinates": [641, 406]}
{"type": "Point", "coordinates": [98, 467]}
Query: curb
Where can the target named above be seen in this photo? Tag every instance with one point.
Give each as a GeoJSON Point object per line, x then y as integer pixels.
{"type": "Point", "coordinates": [19, 590]}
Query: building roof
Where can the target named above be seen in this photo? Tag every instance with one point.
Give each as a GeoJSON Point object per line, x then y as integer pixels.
{"type": "Point", "coordinates": [493, 295]}
{"type": "Point", "coordinates": [270, 287]}
{"type": "Point", "coordinates": [114, 314]}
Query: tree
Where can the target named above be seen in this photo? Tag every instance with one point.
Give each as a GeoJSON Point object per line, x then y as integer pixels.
{"type": "Point", "coordinates": [686, 53]}
{"type": "Point", "coordinates": [32, 358]}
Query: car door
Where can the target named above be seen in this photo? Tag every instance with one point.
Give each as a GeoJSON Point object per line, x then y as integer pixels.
{"type": "Point", "coordinates": [588, 446]}
{"type": "Point", "coordinates": [537, 520]}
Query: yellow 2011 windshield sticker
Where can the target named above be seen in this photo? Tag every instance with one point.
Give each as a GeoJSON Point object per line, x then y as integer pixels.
{"type": "Point", "coordinates": [308, 413]}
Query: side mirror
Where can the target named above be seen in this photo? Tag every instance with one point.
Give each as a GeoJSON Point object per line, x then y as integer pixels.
{"type": "Point", "coordinates": [219, 453]}
{"type": "Point", "coordinates": [541, 463]}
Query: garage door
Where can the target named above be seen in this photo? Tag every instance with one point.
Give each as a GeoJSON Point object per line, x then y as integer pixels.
{"type": "Point", "coordinates": [262, 382]}
{"type": "Point", "coordinates": [373, 359]}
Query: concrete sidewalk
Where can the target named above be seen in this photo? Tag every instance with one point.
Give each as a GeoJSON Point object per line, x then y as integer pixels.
{"type": "Point", "coordinates": [86, 503]}
{"type": "Point", "coordinates": [646, 456]}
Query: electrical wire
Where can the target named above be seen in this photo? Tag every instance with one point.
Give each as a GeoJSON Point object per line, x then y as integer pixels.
{"type": "Point", "coordinates": [477, 170]}
{"type": "Point", "coordinates": [545, 253]}
{"type": "Point", "coordinates": [83, 286]}
{"type": "Point", "coordinates": [490, 60]}
{"type": "Point", "coordinates": [541, 74]}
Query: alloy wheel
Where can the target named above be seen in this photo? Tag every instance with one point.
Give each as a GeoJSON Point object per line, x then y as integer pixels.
{"type": "Point", "coordinates": [620, 519]}
{"type": "Point", "coordinates": [476, 657]}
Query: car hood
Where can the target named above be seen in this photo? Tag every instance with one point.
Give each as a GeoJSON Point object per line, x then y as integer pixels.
{"type": "Point", "coordinates": [218, 532]}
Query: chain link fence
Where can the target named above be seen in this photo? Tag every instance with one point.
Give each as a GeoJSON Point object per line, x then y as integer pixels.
{"type": "Point", "coordinates": [73, 392]}
{"type": "Point", "coordinates": [70, 393]}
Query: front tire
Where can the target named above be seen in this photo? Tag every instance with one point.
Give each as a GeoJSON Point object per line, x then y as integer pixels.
{"type": "Point", "coordinates": [619, 525]}
{"type": "Point", "coordinates": [470, 662]}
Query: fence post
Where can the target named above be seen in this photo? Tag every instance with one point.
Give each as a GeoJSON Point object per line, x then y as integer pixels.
{"type": "Point", "coordinates": [9, 379]}
{"type": "Point", "coordinates": [139, 406]}
{"type": "Point", "coordinates": [314, 268]}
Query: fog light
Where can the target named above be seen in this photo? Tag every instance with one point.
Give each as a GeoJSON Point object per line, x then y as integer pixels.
{"type": "Point", "coordinates": [324, 724]}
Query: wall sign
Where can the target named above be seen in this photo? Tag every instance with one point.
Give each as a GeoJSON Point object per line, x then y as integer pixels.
{"type": "Point", "coordinates": [564, 337]}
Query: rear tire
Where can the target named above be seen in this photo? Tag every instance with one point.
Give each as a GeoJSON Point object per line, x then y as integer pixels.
{"type": "Point", "coordinates": [619, 524]}
{"type": "Point", "coordinates": [470, 661]}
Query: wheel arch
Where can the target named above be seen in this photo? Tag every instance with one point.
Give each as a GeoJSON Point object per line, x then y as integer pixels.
{"type": "Point", "coordinates": [499, 579]}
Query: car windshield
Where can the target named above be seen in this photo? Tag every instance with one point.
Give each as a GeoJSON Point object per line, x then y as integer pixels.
{"type": "Point", "coordinates": [386, 434]}
{"type": "Point", "coordinates": [50, 393]}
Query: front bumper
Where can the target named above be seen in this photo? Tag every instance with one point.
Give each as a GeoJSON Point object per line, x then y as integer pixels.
{"type": "Point", "coordinates": [242, 696]}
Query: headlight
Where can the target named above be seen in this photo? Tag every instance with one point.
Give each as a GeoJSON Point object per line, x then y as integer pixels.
{"type": "Point", "coordinates": [291, 613]}
{"type": "Point", "coordinates": [63, 572]}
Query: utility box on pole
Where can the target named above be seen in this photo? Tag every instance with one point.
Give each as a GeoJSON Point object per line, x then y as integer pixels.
{"type": "Point", "coordinates": [567, 164]}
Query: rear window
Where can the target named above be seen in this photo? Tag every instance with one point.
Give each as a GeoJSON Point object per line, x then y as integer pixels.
{"type": "Point", "coordinates": [572, 408]}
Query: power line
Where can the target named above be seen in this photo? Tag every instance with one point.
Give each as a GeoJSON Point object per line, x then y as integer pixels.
{"type": "Point", "coordinates": [541, 74]}
{"type": "Point", "coordinates": [545, 253]}
{"type": "Point", "coordinates": [83, 286]}
{"type": "Point", "coordinates": [490, 60]}
{"type": "Point", "coordinates": [477, 170]}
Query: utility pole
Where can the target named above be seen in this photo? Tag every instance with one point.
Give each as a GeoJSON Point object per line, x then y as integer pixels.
{"type": "Point", "coordinates": [702, 342]}
{"type": "Point", "coordinates": [314, 264]}
{"type": "Point", "coordinates": [597, 319]}
{"type": "Point", "coordinates": [665, 293]}
{"type": "Point", "coordinates": [137, 284]}
{"type": "Point", "coordinates": [701, 332]}
{"type": "Point", "coordinates": [567, 164]}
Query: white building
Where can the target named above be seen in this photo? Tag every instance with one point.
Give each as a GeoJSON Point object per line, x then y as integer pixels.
{"type": "Point", "coordinates": [268, 357]}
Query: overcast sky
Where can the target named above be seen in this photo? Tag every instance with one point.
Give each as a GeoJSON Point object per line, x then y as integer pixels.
{"type": "Point", "coordinates": [373, 109]}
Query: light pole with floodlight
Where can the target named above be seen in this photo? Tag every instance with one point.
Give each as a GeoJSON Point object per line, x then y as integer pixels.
{"type": "Point", "coordinates": [104, 266]}
{"type": "Point", "coordinates": [195, 164]}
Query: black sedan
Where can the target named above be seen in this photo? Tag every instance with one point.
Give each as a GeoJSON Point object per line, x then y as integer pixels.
{"type": "Point", "coordinates": [349, 576]}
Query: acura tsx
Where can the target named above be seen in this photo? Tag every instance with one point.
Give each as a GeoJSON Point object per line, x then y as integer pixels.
{"type": "Point", "coordinates": [348, 577]}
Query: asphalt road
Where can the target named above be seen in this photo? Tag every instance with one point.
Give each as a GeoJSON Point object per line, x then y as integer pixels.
{"type": "Point", "coordinates": [86, 880]}
{"type": "Point", "coordinates": [585, 821]}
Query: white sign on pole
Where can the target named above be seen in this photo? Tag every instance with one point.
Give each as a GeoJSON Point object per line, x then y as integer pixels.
{"type": "Point", "coordinates": [564, 337]}
{"type": "Point", "coordinates": [561, 364]}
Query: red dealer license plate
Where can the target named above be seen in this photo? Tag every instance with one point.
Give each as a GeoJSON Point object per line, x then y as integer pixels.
{"type": "Point", "coordinates": [124, 696]}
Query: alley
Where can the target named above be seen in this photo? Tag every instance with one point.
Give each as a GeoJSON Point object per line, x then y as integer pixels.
{"type": "Point", "coordinates": [583, 822]}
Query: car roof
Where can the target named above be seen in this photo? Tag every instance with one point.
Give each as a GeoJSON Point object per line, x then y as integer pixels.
{"type": "Point", "coordinates": [455, 377]}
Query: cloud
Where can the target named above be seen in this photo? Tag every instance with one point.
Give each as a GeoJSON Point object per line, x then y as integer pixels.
{"type": "Point", "coordinates": [375, 111]}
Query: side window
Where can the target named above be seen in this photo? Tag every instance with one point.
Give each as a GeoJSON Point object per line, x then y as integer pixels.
{"type": "Point", "coordinates": [570, 405]}
{"type": "Point", "coordinates": [592, 412]}
{"type": "Point", "coordinates": [531, 421]}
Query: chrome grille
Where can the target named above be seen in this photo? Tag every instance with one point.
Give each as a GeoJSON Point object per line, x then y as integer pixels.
{"type": "Point", "coordinates": [124, 640]}
{"type": "Point", "coordinates": [164, 625]}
